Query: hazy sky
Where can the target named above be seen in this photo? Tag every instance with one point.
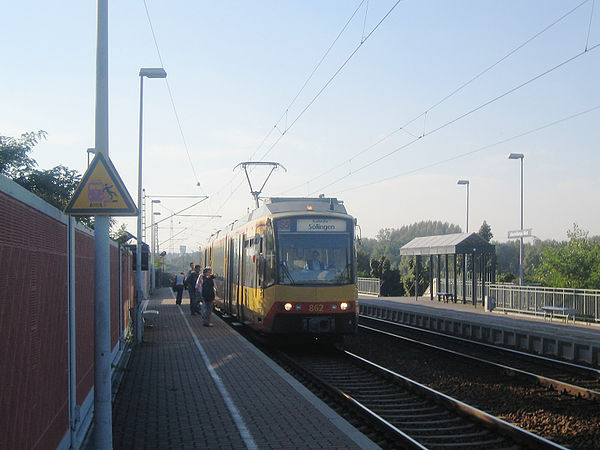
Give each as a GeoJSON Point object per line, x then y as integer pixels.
{"type": "Point", "coordinates": [235, 67]}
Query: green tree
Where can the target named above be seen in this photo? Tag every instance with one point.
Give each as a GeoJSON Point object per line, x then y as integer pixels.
{"type": "Point", "coordinates": [56, 186]}
{"type": "Point", "coordinates": [121, 235]}
{"type": "Point", "coordinates": [573, 265]}
{"type": "Point", "coordinates": [362, 262]}
{"type": "Point", "coordinates": [408, 280]}
{"type": "Point", "coordinates": [391, 281]}
{"type": "Point", "coordinates": [507, 257]}
{"type": "Point", "coordinates": [14, 153]}
{"type": "Point", "coordinates": [377, 266]}
{"type": "Point", "coordinates": [485, 231]}
{"type": "Point", "coordinates": [507, 278]}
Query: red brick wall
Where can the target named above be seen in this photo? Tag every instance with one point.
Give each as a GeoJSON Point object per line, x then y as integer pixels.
{"type": "Point", "coordinates": [84, 313]}
{"type": "Point", "coordinates": [33, 327]}
{"type": "Point", "coordinates": [114, 296]}
{"type": "Point", "coordinates": [34, 323]}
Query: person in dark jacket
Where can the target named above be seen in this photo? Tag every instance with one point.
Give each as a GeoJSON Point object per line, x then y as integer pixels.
{"type": "Point", "coordinates": [190, 283]}
{"type": "Point", "coordinates": [208, 295]}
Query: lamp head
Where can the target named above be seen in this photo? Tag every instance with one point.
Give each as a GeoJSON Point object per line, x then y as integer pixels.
{"type": "Point", "coordinates": [462, 182]}
{"type": "Point", "coordinates": [153, 72]}
{"type": "Point", "coordinates": [516, 156]}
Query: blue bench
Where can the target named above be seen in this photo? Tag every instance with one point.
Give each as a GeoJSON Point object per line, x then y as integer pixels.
{"type": "Point", "coordinates": [559, 311]}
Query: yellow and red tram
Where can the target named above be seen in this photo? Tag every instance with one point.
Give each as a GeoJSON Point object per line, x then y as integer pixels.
{"type": "Point", "coordinates": [289, 268]}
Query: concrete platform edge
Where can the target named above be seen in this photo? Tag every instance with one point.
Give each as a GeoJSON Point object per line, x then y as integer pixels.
{"type": "Point", "coordinates": [342, 424]}
{"type": "Point", "coordinates": [519, 333]}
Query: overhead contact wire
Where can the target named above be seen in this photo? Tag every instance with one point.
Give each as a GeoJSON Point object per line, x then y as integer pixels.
{"type": "Point", "coordinates": [486, 147]}
{"type": "Point", "coordinates": [462, 116]}
{"type": "Point", "coordinates": [284, 114]}
{"type": "Point", "coordinates": [309, 78]}
{"type": "Point", "coordinates": [452, 93]}
{"type": "Point", "coordinates": [587, 40]}
{"type": "Point", "coordinates": [171, 96]}
{"type": "Point", "coordinates": [310, 103]}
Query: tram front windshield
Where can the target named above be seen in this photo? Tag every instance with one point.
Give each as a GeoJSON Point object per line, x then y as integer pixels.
{"type": "Point", "coordinates": [310, 258]}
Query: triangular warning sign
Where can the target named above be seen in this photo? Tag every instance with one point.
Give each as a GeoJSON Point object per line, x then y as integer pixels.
{"type": "Point", "coordinates": [101, 192]}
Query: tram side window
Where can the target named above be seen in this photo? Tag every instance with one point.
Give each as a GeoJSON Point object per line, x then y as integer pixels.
{"type": "Point", "coordinates": [219, 260]}
{"type": "Point", "coordinates": [249, 266]}
{"type": "Point", "coordinates": [269, 254]}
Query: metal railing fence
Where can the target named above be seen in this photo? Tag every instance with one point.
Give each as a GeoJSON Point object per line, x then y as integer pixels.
{"type": "Point", "coordinates": [369, 286]}
{"type": "Point", "coordinates": [530, 300]}
{"type": "Point", "coordinates": [459, 289]}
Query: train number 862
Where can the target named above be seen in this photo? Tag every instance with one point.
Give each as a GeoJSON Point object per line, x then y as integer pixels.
{"type": "Point", "coordinates": [316, 308]}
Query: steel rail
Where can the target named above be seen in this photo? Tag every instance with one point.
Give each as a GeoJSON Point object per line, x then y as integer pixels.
{"type": "Point", "coordinates": [567, 364]}
{"type": "Point", "coordinates": [351, 403]}
{"type": "Point", "coordinates": [561, 386]}
{"type": "Point", "coordinates": [518, 434]}
{"type": "Point", "coordinates": [417, 415]}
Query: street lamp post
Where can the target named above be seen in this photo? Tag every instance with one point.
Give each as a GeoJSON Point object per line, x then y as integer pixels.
{"type": "Point", "coordinates": [466, 182]}
{"type": "Point", "coordinates": [92, 151]}
{"type": "Point", "coordinates": [102, 335]}
{"type": "Point", "coordinates": [149, 73]}
{"type": "Point", "coordinates": [153, 240]}
{"type": "Point", "coordinates": [154, 249]}
{"type": "Point", "coordinates": [465, 259]}
{"type": "Point", "coordinates": [520, 156]}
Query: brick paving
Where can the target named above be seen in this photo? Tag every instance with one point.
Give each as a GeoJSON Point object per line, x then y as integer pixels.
{"type": "Point", "coordinates": [168, 397]}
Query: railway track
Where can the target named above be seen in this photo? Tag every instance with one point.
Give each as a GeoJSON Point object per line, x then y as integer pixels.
{"type": "Point", "coordinates": [559, 375]}
{"type": "Point", "coordinates": [402, 413]}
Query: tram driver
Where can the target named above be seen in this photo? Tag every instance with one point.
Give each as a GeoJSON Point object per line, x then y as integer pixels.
{"type": "Point", "coordinates": [315, 263]}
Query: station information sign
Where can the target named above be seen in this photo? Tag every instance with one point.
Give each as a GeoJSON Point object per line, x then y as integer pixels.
{"type": "Point", "coordinates": [517, 234]}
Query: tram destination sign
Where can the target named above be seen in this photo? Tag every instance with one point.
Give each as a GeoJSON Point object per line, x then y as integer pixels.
{"type": "Point", "coordinates": [321, 225]}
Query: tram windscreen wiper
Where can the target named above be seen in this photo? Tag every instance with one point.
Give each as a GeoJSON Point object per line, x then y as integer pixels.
{"type": "Point", "coordinates": [287, 272]}
{"type": "Point", "coordinates": [344, 275]}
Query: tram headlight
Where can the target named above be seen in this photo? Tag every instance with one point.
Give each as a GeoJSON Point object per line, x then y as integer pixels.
{"type": "Point", "coordinates": [344, 306]}
{"type": "Point", "coordinates": [287, 306]}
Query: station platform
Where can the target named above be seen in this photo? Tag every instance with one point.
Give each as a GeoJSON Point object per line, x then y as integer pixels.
{"type": "Point", "coordinates": [190, 386]}
{"type": "Point", "coordinates": [579, 342]}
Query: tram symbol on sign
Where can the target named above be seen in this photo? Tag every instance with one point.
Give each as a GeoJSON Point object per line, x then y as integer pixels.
{"type": "Point", "coordinates": [100, 194]}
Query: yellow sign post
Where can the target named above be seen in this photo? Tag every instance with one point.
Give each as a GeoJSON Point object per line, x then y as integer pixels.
{"type": "Point", "coordinates": [101, 192]}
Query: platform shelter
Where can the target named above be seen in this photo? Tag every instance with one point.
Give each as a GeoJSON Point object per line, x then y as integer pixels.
{"type": "Point", "coordinates": [475, 253]}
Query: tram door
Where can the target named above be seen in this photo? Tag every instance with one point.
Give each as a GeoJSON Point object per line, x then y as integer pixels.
{"type": "Point", "coordinates": [242, 279]}
{"type": "Point", "coordinates": [230, 283]}
{"type": "Point", "coordinates": [235, 276]}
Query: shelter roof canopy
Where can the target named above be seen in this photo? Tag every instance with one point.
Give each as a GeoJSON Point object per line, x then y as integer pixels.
{"type": "Point", "coordinates": [448, 244]}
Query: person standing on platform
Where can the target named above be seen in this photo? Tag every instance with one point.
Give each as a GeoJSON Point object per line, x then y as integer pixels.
{"type": "Point", "coordinates": [179, 287]}
{"type": "Point", "coordinates": [208, 295]}
{"type": "Point", "coordinates": [186, 285]}
{"type": "Point", "coordinates": [189, 272]}
{"type": "Point", "coordinates": [190, 282]}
